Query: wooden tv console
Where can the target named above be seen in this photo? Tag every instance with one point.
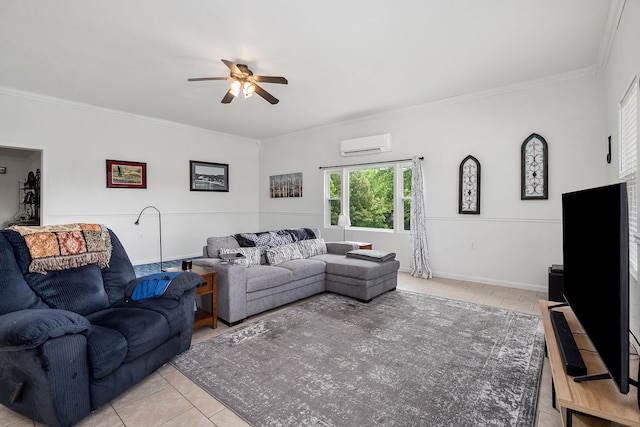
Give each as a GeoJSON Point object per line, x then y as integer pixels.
{"type": "Point", "coordinates": [598, 398]}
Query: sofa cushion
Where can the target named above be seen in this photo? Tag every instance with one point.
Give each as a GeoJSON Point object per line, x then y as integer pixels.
{"type": "Point", "coordinates": [107, 349]}
{"type": "Point", "coordinates": [164, 306]}
{"type": "Point", "coordinates": [143, 329]}
{"type": "Point", "coordinates": [214, 244]}
{"type": "Point", "coordinates": [265, 277]}
{"type": "Point", "coordinates": [312, 247]}
{"type": "Point", "coordinates": [340, 265]}
{"type": "Point", "coordinates": [303, 268]}
{"type": "Point", "coordinates": [251, 255]}
{"type": "Point", "coordinates": [80, 290]}
{"type": "Point", "coordinates": [280, 254]}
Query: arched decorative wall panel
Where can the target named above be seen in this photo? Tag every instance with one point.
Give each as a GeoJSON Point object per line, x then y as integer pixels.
{"type": "Point", "coordinates": [469, 190]}
{"type": "Point", "coordinates": [534, 179]}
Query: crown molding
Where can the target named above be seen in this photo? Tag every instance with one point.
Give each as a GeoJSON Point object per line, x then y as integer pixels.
{"type": "Point", "coordinates": [616, 7]}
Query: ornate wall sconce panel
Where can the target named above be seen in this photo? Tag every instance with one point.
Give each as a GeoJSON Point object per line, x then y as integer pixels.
{"type": "Point", "coordinates": [469, 191]}
{"type": "Point", "coordinates": [534, 169]}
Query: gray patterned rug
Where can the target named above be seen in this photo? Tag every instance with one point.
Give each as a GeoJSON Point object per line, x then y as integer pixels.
{"type": "Point", "coordinates": [403, 359]}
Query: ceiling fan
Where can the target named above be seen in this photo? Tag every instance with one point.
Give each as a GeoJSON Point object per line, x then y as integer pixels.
{"type": "Point", "coordinates": [244, 83]}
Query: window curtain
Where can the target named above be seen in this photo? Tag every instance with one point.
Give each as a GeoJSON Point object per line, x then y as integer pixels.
{"type": "Point", "coordinates": [419, 260]}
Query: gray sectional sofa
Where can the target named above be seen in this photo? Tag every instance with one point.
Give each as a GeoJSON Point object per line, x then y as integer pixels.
{"type": "Point", "coordinates": [283, 266]}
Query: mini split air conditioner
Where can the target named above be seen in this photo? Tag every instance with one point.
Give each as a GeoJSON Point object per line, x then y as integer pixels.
{"type": "Point", "coordinates": [366, 145]}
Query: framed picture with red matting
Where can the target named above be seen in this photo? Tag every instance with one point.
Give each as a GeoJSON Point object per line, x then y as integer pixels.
{"type": "Point", "coordinates": [124, 174]}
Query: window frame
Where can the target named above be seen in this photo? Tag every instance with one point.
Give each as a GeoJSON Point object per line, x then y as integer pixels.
{"type": "Point", "coordinates": [628, 162]}
{"type": "Point", "coordinates": [398, 194]}
{"type": "Point", "coordinates": [327, 196]}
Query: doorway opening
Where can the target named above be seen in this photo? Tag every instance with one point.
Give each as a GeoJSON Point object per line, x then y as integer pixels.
{"type": "Point", "coordinates": [20, 186]}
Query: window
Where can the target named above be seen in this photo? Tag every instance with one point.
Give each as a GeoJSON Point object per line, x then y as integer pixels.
{"type": "Point", "coordinates": [371, 195]}
{"type": "Point", "coordinates": [334, 197]}
{"type": "Point", "coordinates": [406, 196]}
{"type": "Point", "coordinates": [628, 162]}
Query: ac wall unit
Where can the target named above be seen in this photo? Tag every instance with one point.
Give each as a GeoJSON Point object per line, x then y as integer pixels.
{"type": "Point", "coordinates": [366, 145]}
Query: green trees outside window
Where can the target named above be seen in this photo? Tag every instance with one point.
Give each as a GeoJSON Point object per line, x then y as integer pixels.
{"type": "Point", "coordinates": [335, 196]}
{"type": "Point", "coordinates": [406, 196]}
{"type": "Point", "coordinates": [372, 196]}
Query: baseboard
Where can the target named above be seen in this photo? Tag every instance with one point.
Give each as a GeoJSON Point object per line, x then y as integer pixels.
{"type": "Point", "coordinates": [488, 281]}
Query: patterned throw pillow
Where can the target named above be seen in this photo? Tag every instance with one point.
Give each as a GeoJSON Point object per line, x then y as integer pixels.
{"type": "Point", "coordinates": [312, 247]}
{"type": "Point", "coordinates": [283, 253]}
{"type": "Point", "coordinates": [252, 255]}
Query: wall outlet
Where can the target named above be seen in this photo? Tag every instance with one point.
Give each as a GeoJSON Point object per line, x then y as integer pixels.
{"type": "Point", "coordinates": [140, 236]}
{"type": "Point", "coordinates": [473, 245]}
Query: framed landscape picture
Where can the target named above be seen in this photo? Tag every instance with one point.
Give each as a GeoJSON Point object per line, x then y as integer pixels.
{"type": "Point", "coordinates": [124, 174]}
{"type": "Point", "coordinates": [206, 176]}
{"type": "Point", "coordinates": [288, 185]}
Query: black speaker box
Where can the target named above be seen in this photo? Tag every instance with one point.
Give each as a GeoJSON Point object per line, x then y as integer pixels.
{"type": "Point", "coordinates": [556, 283]}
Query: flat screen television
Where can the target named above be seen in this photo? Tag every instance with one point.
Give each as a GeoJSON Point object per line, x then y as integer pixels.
{"type": "Point", "coordinates": [595, 229]}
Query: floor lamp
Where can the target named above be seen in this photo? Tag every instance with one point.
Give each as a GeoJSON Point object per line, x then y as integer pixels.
{"type": "Point", "coordinates": [344, 222]}
{"type": "Point", "coordinates": [159, 227]}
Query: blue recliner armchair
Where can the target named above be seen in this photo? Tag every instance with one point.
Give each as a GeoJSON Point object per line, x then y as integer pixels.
{"type": "Point", "coordinates": [72, 340]}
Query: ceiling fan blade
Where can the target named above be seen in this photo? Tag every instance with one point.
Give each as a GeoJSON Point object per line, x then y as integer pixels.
{"type": "Point", "coordinates": [266, 95]}
{"type": "Point", "coordinates": [232, 66]}
{"type": "Point", "coordinates": [208, 78]}
{"type": "Point", "coordinates": [271, 79]}
{"type": "Point", "coordinates": [228, 97]}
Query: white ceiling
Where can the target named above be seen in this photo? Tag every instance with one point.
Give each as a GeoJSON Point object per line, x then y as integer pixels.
{"type": "Point", "coordinates": [344, 59]}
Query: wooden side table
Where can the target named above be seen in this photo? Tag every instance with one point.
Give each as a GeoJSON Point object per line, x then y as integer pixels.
{"type": "Point", "coordinates": [209, 286]}
{"type": "Point", "coordinates": [362, 245]}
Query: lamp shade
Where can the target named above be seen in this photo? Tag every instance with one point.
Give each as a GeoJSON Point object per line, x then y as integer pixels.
{"type": "Point", "coordinates": [343, 220]}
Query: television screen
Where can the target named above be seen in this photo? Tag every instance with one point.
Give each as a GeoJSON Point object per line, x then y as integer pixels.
{"type": "Point", "coordinates": [596, 272]}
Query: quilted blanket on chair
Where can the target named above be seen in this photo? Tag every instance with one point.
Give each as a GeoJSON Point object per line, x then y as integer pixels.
{"type": "Point", "coordinates": [59, 247]}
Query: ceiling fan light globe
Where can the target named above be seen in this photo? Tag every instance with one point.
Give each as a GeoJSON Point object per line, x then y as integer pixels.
{"type": "Point", "coordinates": [235, 87]}
{"type": "Point", "coordinates": [248, 89]}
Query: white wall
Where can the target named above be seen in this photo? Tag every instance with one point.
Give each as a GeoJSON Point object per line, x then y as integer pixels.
{"type": "Point", "coordinates": [622, 67]}
{"type": "Point", "coordinates": [514, 241]}
{"type": "Point", "coordinates": [77, 140]}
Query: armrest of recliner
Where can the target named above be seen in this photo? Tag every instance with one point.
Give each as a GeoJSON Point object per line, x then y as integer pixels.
{"type": "Point", "coordinates": [25, 329]}
{"type": "Point", "coordinates": [180, 284]}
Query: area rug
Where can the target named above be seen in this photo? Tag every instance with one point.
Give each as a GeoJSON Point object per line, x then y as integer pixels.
{"type": "Point", "coordinates": [403, 359]}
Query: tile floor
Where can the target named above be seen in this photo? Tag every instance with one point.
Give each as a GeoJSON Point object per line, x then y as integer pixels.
{"type": "Point", "coordinates": [167, 398]}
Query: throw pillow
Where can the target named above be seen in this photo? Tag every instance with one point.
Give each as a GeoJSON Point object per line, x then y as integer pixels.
{"type": "Point", "coordinates": [312, 247]}
{"type": "Point", "coordinates": [252, 255]}
{"type": "Point", "coordinates": [283, 253]}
